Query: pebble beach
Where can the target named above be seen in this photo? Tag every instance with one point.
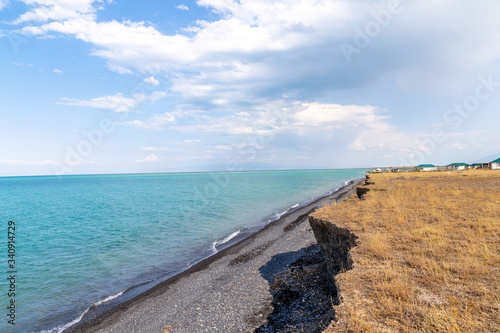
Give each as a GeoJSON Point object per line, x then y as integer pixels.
{"type": "Point", "coordinates": [239, 289]}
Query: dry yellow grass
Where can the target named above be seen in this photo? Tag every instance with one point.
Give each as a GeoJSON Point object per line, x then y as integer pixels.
{"type": "Point", "coordinates": [428, 254]}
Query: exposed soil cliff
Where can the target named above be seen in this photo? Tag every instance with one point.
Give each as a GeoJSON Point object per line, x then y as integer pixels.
{"type": "Point", "coordinates": [334, 243]}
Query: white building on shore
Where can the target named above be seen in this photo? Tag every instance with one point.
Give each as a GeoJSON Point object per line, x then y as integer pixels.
{"type": "Point", "coordinates": [457, 166]}
{"type": "Point", "coordinates": [495, 165]}
{"type": "Point", "coordinates": [426, 167]}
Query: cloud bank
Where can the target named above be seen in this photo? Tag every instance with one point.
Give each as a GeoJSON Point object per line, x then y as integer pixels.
{"type": "Point", "coordinates": [274, 68]}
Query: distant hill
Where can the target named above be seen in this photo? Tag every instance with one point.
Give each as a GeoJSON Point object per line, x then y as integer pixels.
{"type": "Point", "coordinates": [488, 158]}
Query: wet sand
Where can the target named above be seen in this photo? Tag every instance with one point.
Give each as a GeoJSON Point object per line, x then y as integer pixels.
{"type": "Point", "coordinates": [227, 292]}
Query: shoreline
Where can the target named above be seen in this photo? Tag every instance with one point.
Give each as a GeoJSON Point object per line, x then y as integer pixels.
{"type": "Point", "coordinates": [104, 320]}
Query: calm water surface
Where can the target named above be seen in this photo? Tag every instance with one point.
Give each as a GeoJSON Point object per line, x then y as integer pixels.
{"type": "Point", "coordinates": [88, 240]}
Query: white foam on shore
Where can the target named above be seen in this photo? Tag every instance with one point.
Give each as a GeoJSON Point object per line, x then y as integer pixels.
{"type": "Point", "coordinates": [224, 240]}
{"type": "Point", "coordinates": [334, 190]}
{"type": "Point", "coordinates": [277, 216]}
{"type": "Point", "coordinates": [107, 299]}
{"type": "Point", "coordinates": [62, 328]}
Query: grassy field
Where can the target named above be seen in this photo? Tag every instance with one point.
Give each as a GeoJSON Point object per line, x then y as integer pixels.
{"type": "Point", "coordinates": [427, 257]}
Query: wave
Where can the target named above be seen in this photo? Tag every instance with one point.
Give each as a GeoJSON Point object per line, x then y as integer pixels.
{"type": "Point", "coordinates": [62, 328]}
{"type": "Point", "coordinates": [226, 239]}
{"type": "Point", "coordinates": [277, 216]}
{"type": "Point", "coordinates": [107, 299]}
{"type": "Point", "coordinates": [334, 190]}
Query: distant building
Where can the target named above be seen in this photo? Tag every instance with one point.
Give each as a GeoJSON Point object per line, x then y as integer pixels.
{"type": "Point", "coordinates": [426, 167]}
{"type": "Point", "coordinates": [495, 165]}
{"type": "Point", "coordinates": [457, 166]}
{"type": "Point", "coordinates": [480, 165]}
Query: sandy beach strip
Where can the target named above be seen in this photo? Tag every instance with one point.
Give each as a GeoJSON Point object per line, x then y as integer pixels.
{"type": "Point", "coordinates": [227, 292]}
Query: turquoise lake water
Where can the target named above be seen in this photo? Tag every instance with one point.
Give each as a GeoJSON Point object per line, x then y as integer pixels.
{"type": "Point", "coordinates": [90, 240]}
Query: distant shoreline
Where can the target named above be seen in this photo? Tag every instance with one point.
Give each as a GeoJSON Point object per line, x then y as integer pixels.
{"type": "Point", "coordinates": [181, 172]}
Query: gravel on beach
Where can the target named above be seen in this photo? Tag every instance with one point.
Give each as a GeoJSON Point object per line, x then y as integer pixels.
{"type": "Point", "coordinates": [274, 280]}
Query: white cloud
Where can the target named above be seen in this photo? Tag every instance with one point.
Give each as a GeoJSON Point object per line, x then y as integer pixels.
{"type": "Point", "coordinates": [127, 45]}
{"type": "Point", "coordinates": [285, 45]}
{"type": "Point", "coordinates": [36, 162]}
{"type": "Point", "coordinates": [256, 52]}
{"type": "Point", "coordinates": [227, 125]}
{"type": "Point", "coordinates": [22, 65]}
{"type": "Point", "coordinates": [316, 127]}
{"type": "Point", "coordinates": [156, 123]}
{"type": "Point", "coordinates": [188, 142]}
{"type": "Point", "coordinates": [182, 7]}
{"type": "Point", "coordinates": [239, 147]}
{"type": "Point", "coordinates": [117, 103]}
{"type": "Point", "coordinates": [459, 146]}
{"type": "Point", "coordinates": [151, 80]}
{"type": "Point", "coordinates": [33, 163]}
{"type": "Point", "coordinates": [3, 3]}
{"type": "Point", "coordinates": [139, 46]}
{"type": "Point", "coordinates": [58, 71]}
{"type": "Point", "coordinates": [359, 127]}
{"type": "Point", "coordinates": [46, 10]}
{"type": "Point", "coordinates": [257, 26]}
{"type": "Point", "coordinates": [283, 116]}
{"type": "Point", "coordinates": [150, 159]}
{"type": "Point", "coordinates": [224, 147]}
{"type": "Point", "coordinates": [156, 148]}
{"type": "Point", "coordinates": [317, 114]}
{"type": "Point", "coordinates": [162, 149]}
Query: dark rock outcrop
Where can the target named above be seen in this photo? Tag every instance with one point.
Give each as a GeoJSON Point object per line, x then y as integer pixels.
{"type": "Point", "coordinates": [301, 293]}
{"type": "Point", "coordinates": [361, 191]}
{"type": "Point", "coordinates": [334, 243]}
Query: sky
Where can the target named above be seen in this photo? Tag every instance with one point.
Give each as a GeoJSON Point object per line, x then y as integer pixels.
{"type": "Point", "coordinates": [121, 86]}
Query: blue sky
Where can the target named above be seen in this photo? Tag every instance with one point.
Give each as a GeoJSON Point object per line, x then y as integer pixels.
{"type": "Point", "coordinates": [110, 86]}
